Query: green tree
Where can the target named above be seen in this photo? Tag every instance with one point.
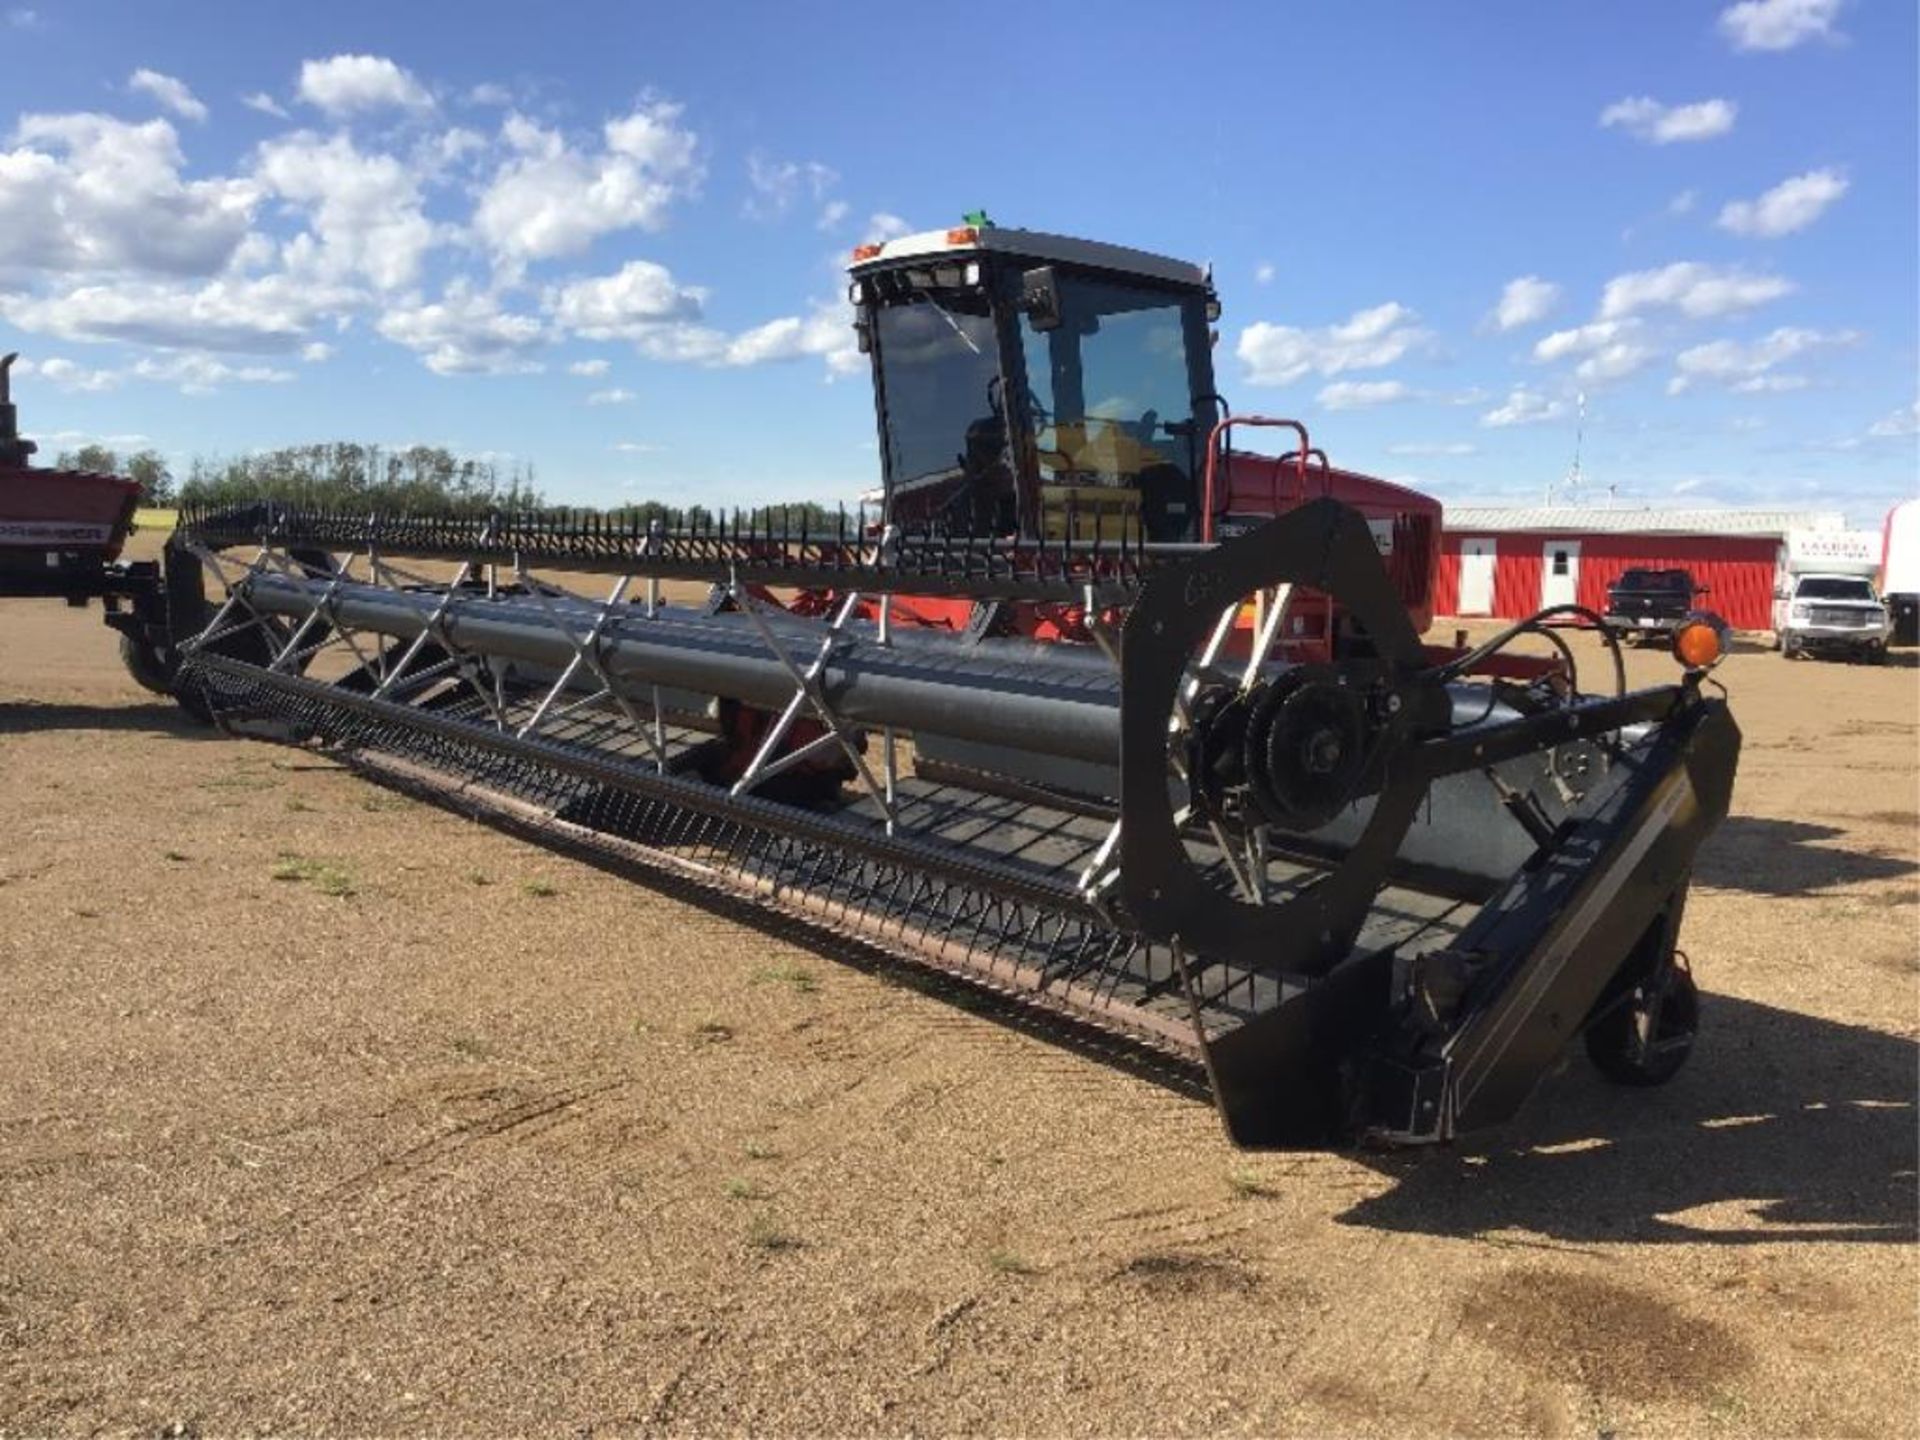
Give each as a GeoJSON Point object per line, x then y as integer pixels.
{"type": "Point", "coordinates": [156, 481]}
{"type": "Point", "coordinates": [350, 475]}
{"type": "Point", "coordinates": [96, 458]}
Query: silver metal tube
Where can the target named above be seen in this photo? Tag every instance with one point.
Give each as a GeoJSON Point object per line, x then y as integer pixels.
{"type": "Point", "coordinates": [1018, 693]}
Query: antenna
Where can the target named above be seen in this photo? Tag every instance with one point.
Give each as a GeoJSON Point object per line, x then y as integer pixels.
{"type": "Point", "coordinates": [1570, 486]}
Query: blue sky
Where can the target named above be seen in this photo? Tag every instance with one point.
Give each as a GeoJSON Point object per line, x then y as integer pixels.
{"type": "Point", "coordinates": [606, 238]}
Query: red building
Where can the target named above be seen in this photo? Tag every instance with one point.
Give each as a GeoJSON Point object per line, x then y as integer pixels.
{"type": "Point", "coordinates": [1508, 563]}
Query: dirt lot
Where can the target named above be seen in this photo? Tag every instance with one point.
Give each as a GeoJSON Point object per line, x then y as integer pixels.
{"type": "Point", "coordinates": [442, 1133]}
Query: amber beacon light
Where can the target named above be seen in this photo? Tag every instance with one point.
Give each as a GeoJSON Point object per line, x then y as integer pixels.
{"type": "Point", "coordinates": [1700, 641]}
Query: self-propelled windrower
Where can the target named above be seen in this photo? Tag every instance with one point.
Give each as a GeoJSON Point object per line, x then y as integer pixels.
{"type": "Point", "coordinates": [1095, 710]}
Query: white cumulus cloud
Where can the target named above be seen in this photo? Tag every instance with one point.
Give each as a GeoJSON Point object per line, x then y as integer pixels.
{"type": "Point", "coordinates": [171, 94]}
{"type": "Point", "coordinates": [465, 332]}
{"type": "Point", "coordinates": [1779, 24]}
{"type": "Point", "coordinates": [83, 192]}
{"type": "Point", "coordinates": [1695, 289]}
{"type": "Point", "coordinates": [638, 297]}
{"type": "Point", "coordinates": [1749, 368]}
{"type": "Point", "coordinates": [70, 375]}
{"type": "Point", "coordinates": [825, 333]}
{"type": "Point", "coordinates": [1792, 205]}
{"type": "Point", "coordinates": [882, 226]}
{"type": "Point", "coordinates": [589, 369]}
{"type": "Point", "coordinates": [192, 374]}
{"type": "Point", "coordinates": [1524, 407]}
{"type": "Point", "coordinates": [1607, 349]}
{"type": "Point", "coordinates": [552, 199]}
{"type": "Point", "coordinates": [1362, 394]}
{"type": "Point", "coordinates": [263, 314]}
{"type": "Point", "coordinates": [774, 185]}
{"type": "Point", "coordinates": [1525, 301]}
{"type": "Point", "coordinates": [1582, 339]}
{"type": "Point", "coordinates": [346, 85]}
{"type": "Point", "coordinates": [366, 208]}
{"type": "Point", "coordinates": [1366, 340]}
{"type": "Point", "coordinates": [1902, 422]}
{"type": "Point", "coordinates": [264, 103]}
{"type": "Point", "coordinates": [202, 374]}
{"type": "Point", "coordinates": [1614, 362]}
{"type": "Point", "coordinates": [1647, 119]}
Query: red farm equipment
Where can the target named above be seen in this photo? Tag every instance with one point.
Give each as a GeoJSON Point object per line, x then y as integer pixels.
{"type": "Point", "coordinates": [1096, 711]}
{"type": "Point", "coordinates": [61, 534]}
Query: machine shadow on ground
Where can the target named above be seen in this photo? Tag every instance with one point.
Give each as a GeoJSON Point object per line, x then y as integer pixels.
{"type": "Point", "coordinates": [153, 717]}
{"type": "Point", "coordinates": [1780, 858]}
{"type": "Point", "coordinates": [1801, 1128]}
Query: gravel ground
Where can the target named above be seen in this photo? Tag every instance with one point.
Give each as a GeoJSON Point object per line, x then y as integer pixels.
{"type": "Point", "coordinates": [325, 1111]}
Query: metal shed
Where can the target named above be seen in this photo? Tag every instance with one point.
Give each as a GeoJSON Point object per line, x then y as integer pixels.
{"type": "Point", "coordinates": [1509, 562]}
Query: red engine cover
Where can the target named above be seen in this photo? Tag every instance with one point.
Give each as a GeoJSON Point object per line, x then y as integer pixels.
{"type": "Point", "coordinates": [1406, 524]}
{"type": "Point", "coordinates": [66, 510]}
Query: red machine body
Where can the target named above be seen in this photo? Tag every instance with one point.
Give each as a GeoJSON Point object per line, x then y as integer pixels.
{"type": "Point", "coordinates": [1251, 490]}
{"type": "Point", "coordinates": [61, 534]}
{"type": "Point", "coordinates": [60, 512]}
{"type": "Point", "coordinates": [60, 530]}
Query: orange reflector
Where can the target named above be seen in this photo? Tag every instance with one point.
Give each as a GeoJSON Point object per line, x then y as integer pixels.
{"type": "Point", "coordinates": [865, 252]}
{"type": "Point", "coordinates": [1697, 644]}
{"type": "Point", "coordinates": [963, 235]}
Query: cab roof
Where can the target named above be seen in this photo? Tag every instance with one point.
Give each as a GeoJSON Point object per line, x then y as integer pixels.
{"type": "Point", "coordinates": [964, 240]}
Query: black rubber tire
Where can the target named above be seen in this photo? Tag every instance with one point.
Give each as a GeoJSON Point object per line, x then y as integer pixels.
{"type": "Point", "coordinates": [1614, 1041]}
{"type": "Point", "coordinates": [150, 669]}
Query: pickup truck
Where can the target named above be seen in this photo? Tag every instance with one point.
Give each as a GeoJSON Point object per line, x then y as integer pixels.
{"type": "Point", "coordinates": [1830, 614]}
{"type": "Point", "coordinates": [1650, 602]}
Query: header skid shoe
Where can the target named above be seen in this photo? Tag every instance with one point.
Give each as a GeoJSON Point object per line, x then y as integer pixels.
{"type": "Point", "coordinates": [1370, 897]}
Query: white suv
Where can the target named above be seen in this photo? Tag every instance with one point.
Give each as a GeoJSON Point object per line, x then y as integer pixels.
{"type": "Point", "coordinates": [1818, 614]}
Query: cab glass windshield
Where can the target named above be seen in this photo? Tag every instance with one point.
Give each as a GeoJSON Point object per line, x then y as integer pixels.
{"type": "Point", "coordinates": [944, 431]}
{"type": "Point", "coordinates": [1822, 587]}
{"type": "Point", "coordinates": [1109, 403]}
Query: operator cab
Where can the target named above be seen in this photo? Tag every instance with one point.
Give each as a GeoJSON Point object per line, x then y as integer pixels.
{"type": "Point", "coordinates": [1036, 384]}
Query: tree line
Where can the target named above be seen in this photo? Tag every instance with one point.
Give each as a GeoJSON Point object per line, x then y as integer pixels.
{"type": "Point", "coordinates": [341, 474]}
{"type": "Point", "coordinates": [416, 478]}
{"type": "Point", "coordinates": [346, 474]}
{"type": "Point", "coordinates": [146, 466]}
